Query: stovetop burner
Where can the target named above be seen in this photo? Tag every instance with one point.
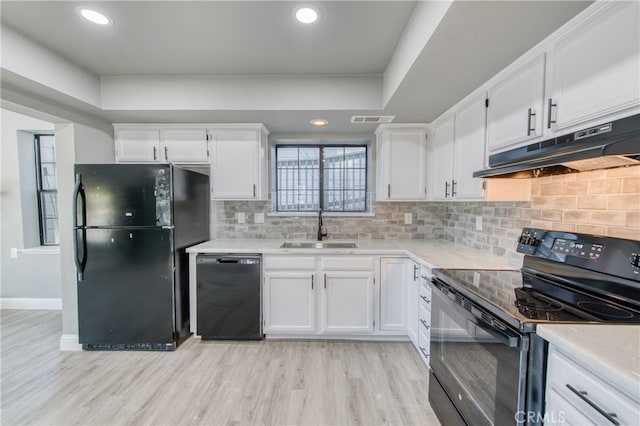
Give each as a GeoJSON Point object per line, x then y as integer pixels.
{"type": "Point", "coordinates": [605, 310]}
{"type": "Point", "coordinates": [535, 306]}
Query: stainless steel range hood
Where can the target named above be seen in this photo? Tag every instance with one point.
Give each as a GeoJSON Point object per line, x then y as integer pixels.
{"type": "Point", "coordinates": [608, 145]}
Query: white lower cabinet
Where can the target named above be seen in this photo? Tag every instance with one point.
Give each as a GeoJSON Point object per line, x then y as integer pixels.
{"type": "Point", "coordinates": [413, 291]}
{"type": "Point", "coordinates": [347, 302]}
{"type": "Point", "coordinates": [393, 293]}
{"type": "Point", "coordinates": [311, 295]}
{"type": "Point", "coordinates": [575, 394]}
{"type": "Point", "coordinates": [289, 302]}
{"type": "Point", "coordinates": [424, 314]}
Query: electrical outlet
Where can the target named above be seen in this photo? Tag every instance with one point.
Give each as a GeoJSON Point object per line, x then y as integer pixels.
{"type": "Point", "coordinates": [476, 279]}
{"type": "Point", "coordinates": [478, 223]}
{"type": "Point", "coordinates": [408, 218]}
{"type": "Point", "coordinates": [258, 218]}
{"type": "Point", "coordinates": [241, 217]}
{"type": "Point", "coordinates": [14, 253]}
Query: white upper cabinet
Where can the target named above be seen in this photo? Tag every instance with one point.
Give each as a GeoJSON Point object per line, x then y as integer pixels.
{"type": "Point", "coordinates": [457, 149]}
{"type": "Point", "coordinates": [594, 69]}
{"type": "Point", "coordinates": [401, 163]}
{"type": "Point", "coordinates": [441, 158]}
{"type": "Point", "coordinates": [137, 144]}
{"type": "Point", "coordinates": [182, 144]}
{"type": "Point", "coordinates": [516, 104]}
{"type": "Point", "coordinates": [238, 164]}
{"type": "Point", "coordinates": [469, 148]}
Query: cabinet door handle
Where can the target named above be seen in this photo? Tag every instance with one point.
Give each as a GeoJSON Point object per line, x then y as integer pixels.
{"type": "Point", "coordinates": [550, 106]}
{"type": "Point", "coordinates": [311, 282]}
{"type": "Point", "coordinates": [325, 281]}
{"type": "Point", "coordinates": [446, 189]}
{"type": "Point", "coordinates": [453, 188]}
{"type": "Point", "coordinates": [254, 190]}
{"type": "Point", "coordinates": [531, 114]}
{"type": "Point", "coordinates": [166, 153]}
{"type": "Point", "coordinates": [415, 272]}
{"type": "Point", "coordinates": [155, 153]}
{"type": "Point", "coordinates": [424, 352]}
{"type": "Point", "coordinates": [389, 190]}
{"type": "Point", "coordinates": [583, 395]}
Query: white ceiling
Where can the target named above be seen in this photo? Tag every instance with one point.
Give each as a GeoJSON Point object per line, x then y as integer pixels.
{"type": "Point", "coordinates": [354, 39]}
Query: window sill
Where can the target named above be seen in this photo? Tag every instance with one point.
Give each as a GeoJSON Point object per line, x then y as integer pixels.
{"type": "Point", "coordinates": [324, 214]}
{"type": "Point", "coordinates": [40, 250]}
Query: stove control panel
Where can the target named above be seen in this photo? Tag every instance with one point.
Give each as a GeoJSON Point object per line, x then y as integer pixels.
{"type": "Point", "coordinates": [529, 240]}
{"type": "Point", "coordinates": [577, 248]}
{"type": "Point", "coordinates": [608, 255]}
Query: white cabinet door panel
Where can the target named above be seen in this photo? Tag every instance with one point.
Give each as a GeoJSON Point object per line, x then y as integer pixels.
{"type": "Point", "coordinates": [595, 69]}
{"type": "Point", "coordinates": [516, 106]}
{"type": "Point", "coordinates": [469, 148]}
{"type": "Point", "coordinates": [182, 145]}
{"type": "Point", "coordinates": [442, 159]}
{"type": "Point", "coordinates": [137, 145]}
{"type": "Point", "coordinates": [347, 302]}
{"type": "Point", "coordinates": [393, 293]}
{"type": "Point", "coordinates": [235, 164]}
{"type": "Point", "coordinates": [289, 302]}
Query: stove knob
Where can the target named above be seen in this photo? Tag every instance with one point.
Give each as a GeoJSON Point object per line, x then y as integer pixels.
{"type": "Point", "coordinates": [535, 242]}
{"type": "Point", "coordinates": [635, 260]}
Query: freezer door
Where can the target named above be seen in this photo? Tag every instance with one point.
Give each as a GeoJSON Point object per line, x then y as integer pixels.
{"type": "Point", "coordinates": [126, 194]}
{"type": "Point", "coordinates": [127, 294]}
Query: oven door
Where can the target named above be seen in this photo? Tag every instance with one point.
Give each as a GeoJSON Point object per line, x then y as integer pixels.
{"type": "Point", "coordinates": [478, 361]}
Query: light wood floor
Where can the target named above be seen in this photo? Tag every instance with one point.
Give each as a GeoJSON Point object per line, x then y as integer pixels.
{"type": "Point", "coordinates": [231, 383]}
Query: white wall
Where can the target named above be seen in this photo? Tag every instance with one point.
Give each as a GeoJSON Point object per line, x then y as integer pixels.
{"type": "Point", "coordinates": [30, 275]}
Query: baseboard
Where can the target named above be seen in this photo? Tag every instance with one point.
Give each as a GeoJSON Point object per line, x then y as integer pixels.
{"type": "Point", "coordinates": [69, 342]}
{"type": "Point", "coordinates": [47, 304]}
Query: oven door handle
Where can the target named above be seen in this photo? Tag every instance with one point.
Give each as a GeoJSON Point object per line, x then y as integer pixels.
{"type": "Point", "coordinates": [475, 316]}
{"type": "Point", "coordinates": [506, 338]}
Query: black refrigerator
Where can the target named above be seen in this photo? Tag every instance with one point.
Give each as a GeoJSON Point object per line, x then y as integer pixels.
{"type": "Point", "coordinates": [132, 224]}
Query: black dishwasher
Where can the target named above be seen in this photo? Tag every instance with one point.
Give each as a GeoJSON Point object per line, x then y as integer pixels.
{"type": "Point", "coordinates": [228, 297]}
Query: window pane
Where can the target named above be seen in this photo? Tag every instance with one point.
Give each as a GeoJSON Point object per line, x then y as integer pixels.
{"type": "Point", "coordinates": [298, 183]}
{"type": "Point", "coordinates": [49, 217]}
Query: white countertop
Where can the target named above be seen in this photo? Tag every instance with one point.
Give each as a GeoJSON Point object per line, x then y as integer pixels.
{"type": "Point", "coordinates": [433, 253]}
{"type": "Point", "coordinates": [611, 351]}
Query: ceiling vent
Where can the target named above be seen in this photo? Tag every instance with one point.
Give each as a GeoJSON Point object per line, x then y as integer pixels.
{"type": "Point", "coordinates": [372, 119]}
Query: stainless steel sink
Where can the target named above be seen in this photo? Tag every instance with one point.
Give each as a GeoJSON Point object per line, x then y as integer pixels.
{"type": "Point", "coordinates": [319, 244]}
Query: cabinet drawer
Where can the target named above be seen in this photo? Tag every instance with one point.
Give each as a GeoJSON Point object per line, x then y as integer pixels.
{"type": "Point", "coordinates": [425, 297]}
{"type": "Point", "coordinates": [290, 263]}
{"type": "Point", "coordinates": [425, 319]}
{"type": "Point", "coordinates": [423, 345]}
{"type": "Point", "coordinates": [563, 372]}
{"type": "Point", "coordinates": [346, 263]}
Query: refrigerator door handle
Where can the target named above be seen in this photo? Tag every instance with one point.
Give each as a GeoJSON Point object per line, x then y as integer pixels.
{"type": "Point", "coordinates": [81, 262]}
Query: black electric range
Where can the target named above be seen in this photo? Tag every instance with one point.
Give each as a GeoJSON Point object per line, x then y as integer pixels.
{"type": "Point", "coordinates": [566, 277]}
{"type": "Point", "coordinates": [487, 362]}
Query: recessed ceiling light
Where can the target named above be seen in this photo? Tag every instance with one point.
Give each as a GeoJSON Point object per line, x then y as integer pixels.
{"type": "Point", "coordinates": [94, 16]}
{"type": "Point", "coordinates": [307, 14]}
{"type": "Point", "coordinates": [319, 122]}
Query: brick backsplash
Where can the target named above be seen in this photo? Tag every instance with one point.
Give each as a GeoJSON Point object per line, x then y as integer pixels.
{"type": "Point", "coordinates": [601, 202]}
{"type": "Point", "coordinates": [387, 222]}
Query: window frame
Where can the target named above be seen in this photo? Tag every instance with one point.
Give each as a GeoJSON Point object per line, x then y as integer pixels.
{"type": "Point", "coordinates": [40, 191]}
{"type": "Point", "coordinates": [321, 183]}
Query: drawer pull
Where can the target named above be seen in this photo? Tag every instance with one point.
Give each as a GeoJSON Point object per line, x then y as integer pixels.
{"type": "Point", "coordinates": [583, 395]}
{"type": "Point", "coordinates": [424, 323]}
{"type": "Point", "coordinates": [424, 352]}
{"type": "Point", "coordinates": [425, 299]}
